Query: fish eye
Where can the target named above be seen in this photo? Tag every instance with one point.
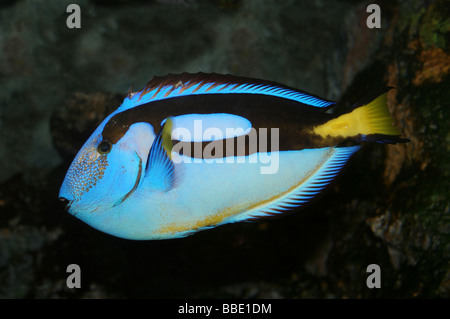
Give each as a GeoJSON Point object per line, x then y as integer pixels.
{"type": "Point", "coordinates": [104, 147]}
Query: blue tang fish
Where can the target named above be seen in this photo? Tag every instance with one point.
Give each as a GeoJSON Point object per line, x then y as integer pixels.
{"type": "Point", "coordinates": [193, 151]}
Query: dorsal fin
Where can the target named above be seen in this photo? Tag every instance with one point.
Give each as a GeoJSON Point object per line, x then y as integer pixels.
{"type": "Point", "coordinates": [174, 85]}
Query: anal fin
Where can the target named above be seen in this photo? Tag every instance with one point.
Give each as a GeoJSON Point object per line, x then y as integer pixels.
{"type": "Point", "coordinates": [306, 190]}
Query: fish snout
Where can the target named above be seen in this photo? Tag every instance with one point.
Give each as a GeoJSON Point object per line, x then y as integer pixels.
{"type": "Point", "coordinates": [66, 202]}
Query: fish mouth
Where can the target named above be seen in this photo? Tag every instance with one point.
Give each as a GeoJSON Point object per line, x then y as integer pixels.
{"type": "Point", "coordinates": [67, 202]}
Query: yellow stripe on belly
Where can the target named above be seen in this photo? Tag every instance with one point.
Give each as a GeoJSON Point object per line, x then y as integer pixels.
{"type": "Point", "coordinates": [209, 221]}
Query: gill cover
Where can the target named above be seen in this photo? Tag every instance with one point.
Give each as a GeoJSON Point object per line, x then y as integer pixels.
{"type": "Point", "coordinates": [100, 178]}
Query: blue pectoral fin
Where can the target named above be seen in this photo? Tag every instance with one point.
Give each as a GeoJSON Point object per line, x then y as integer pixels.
{"type": "Point", "coordinates": [160, 170]}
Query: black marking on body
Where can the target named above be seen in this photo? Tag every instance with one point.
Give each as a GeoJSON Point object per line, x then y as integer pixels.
{"type": "Point", "coordinates": [294, 119]}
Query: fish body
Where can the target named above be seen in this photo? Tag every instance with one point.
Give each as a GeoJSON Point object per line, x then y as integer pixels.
{"type": "Point", "coordinates": [193, 151]}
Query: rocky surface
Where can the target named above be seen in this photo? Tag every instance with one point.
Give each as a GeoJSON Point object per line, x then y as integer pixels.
{"type": "Point", "coordinates": [391, 207]}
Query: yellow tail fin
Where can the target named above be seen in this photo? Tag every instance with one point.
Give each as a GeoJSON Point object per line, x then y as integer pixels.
{"type": "Point", "coordinates": [372, 118]}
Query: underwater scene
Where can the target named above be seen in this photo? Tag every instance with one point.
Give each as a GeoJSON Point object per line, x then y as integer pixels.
{"type": "Point", "coordinates": [224, 149]}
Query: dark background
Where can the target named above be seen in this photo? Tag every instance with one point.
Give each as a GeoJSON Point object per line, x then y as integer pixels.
{"type": "Point", "coordinates": [391, 207]}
